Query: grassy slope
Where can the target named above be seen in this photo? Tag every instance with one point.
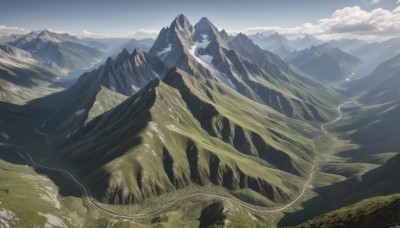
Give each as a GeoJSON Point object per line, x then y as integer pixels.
{"type": "Point", "coordinates": [156, 129]}
{"type": "Point", "coordinates": [25, 82]}
{"type": "Point", "coordinates": [29, 196]}
{"type": "Point", "coordinates": [382, 211]}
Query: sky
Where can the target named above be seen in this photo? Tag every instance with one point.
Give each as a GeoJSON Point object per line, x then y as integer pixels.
{"type": "Point", "coordinates": [326, 19]}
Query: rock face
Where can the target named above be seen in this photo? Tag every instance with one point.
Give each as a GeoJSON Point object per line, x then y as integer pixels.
{"type": "Point", "coordinates": [325, 63]}
{"type": "Point", "coordinates": [204, 52]}
{"type": "Point", "coordinates": [127, 73]}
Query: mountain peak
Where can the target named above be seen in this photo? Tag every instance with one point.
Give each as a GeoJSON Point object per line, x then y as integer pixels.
{"type": "Point", "coordinates": [122, 56]}
{"type": "Point", "coordinates": [204, 20]}
{"type": "Point", "coordinates": [205, 24]}
{"type": "Point", "coordinates": [241, 37]}
{"type": "Point", "coordinates": [180, 20]}
{"type": "Point", "coordinates": [205, 27]}
{"type": "Point", "coordinates": [137, 51]}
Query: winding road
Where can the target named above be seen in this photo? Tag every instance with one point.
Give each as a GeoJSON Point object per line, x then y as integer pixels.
{"type": "Point", "coordinates": [152, 214]}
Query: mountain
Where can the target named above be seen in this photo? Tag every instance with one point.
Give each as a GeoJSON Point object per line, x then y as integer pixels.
{"type": "Point", "coordinates": [22, 77]}
{"type": "Point", "coordinates": [382, 78]}
{"type": "Point", "coordinates": [102, 89]}
{"type": "Point", "coordinates": [61, 49]}
{"type": "Point", "coordinates": [374, 116]}
{"type": "Point", "coordinates": [133, 44]}
{"type": "Point", "coordinates": [325, 63]}
{"type": "Point", "coordinates": [274, 43]}
{"type": "Point", "coordinates": [347, 45]}
{"type": "Point", "coordinates": [203, 51]}
{"type": "Point", "coordinates": [304, 42]}
{"type": "Point", "coordinates": [183, 131]}
{"type": "Point", "coordinates": [370, 123]}
{"type": "Point", "coordinates": [374, 54]}
{"type": "Point", "coordinates": [197, 129]}
{"type": "Point", "coordinates": [381, 181]}
{"type": "Point", "coordinates": [127, 73]}
{"type": "Point", "coordinates": [114, 46]}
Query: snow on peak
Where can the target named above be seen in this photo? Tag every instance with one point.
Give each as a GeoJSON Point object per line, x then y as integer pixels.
{"type": "Point", "coordinates": [165, 51]}
{"type": "Point", "coordinates": [204, 41]}
{"type": "Point", "coordinates": [206, 61]}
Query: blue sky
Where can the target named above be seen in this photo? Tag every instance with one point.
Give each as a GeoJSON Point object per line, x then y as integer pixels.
{"type": "Point", "coordinates": [119, 17]}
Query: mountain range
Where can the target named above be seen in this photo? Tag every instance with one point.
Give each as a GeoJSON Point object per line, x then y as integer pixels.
{"type": "Point", "coordinates": [197, 128]}
{"type": "Point", "coordinates": [196, 98]}
{"type": "Point", "coordinates": [325, 63]}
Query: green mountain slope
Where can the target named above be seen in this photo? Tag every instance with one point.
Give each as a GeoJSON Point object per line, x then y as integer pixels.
{"type": "Point", "coordinates": [153, 143]}
{"type": "Point", "coordinates": [382, 211]}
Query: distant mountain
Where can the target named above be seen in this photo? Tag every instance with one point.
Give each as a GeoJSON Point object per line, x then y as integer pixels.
{"type": "Point", "coordinates": [347, 45]}
{"type": "Point", "coordinates": [203, 51]}
{"type": "Point", "coordinates": [374, 54]}
{"type": "Point", "coordinates": [61, 49]}
{"type": "Point", "coordinates": [383, 80]}
{"type": "Point", "coordinates": [44, 36]}
{"type": "Point", "coordinates": [132, 44]}
{"type": "Point", "coordinates": [377, 110]}
{"type": "Point", "coordinates": [305, 42]}
{"type": "Point", "coordinates": [21, 76]}
{"type": "Point", "coordinates": [325, 63]}
{"type": "Point", "coordinates": [274, 43]}
{"type": "Point", "coordinates": [114, 46]}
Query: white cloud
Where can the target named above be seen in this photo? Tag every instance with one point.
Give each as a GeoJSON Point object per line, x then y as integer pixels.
{"type": "Point", "coordinates": [398, 2]}
{"type": "Point", "coordinates": [349, 22]}
{"type": "Point", "coordinates": [145, 33]}
{"type": "Point", "coordinates": [139, 34]}
{"type": "Point", "coordinates": [56, 31]}
{"type": "Point", "coordinates": [373, 2]}
{"type": "Point", "coordinates": [6, 31]}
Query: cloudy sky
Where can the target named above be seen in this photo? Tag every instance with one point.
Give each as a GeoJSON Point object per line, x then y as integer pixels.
{"type": "Point", "coordinates": [326, 19]}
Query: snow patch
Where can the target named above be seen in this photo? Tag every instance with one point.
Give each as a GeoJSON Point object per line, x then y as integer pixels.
{"type": "Point", "coordinates": [229, 62]}
{"type": "Point", "coordinates": [204, 41]}
{"type": "Point", "coordinates": [206, 61]}
{"type": "Point", "coordinates": [53, 221]}
{"type": "Point", "coordinates": [165, 51]}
